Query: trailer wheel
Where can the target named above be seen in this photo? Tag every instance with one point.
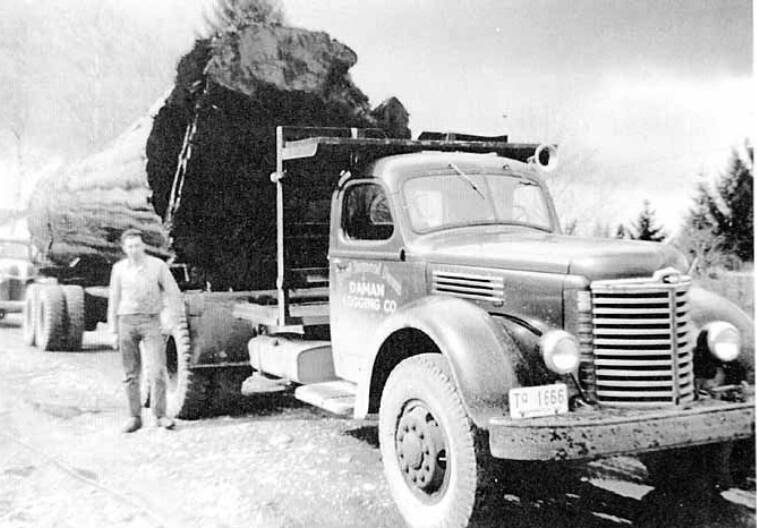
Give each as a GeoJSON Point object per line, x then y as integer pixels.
{"type": "Point", "coordinates": [50, 332]}
{"type": "Point", "coordinates": [428, 445]}
{"type": "Point", "coordinates": [75, 321]}
{"type": "Point", "coordinates": [29, 324]}
{"type": "Point", "coordinates": [189, 390]}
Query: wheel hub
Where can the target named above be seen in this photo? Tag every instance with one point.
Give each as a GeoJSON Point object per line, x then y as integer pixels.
{"type": "Point", "coordinates": [421, 450]}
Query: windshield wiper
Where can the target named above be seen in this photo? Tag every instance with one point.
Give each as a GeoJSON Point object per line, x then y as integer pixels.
{"type": "Point", "coordinates": [466, 179]}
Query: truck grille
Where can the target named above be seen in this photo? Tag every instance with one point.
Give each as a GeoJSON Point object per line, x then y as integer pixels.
{"type": "Point", "coordinates": [468, 285]}
{"type": "Point", "coordinates": [643, 343]}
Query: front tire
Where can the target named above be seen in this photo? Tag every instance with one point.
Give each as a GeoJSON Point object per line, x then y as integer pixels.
{"type": "Point", "coordinates": [428, 445]}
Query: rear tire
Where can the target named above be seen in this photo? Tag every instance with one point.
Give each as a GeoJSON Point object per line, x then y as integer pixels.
{"type": "Point", "coordinates": [50, 332]}
{"type": "Point", "coordinates": [75, 321]}
{"type": "Point", "coordinates": [29, 324]}
{"type": "Point", "coordinates": [429, 446]}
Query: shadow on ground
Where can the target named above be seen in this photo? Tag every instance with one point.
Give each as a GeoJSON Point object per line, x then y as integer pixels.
{"type": "Point", "coordinates": [277, 403]}
{"type": "Point", "coordinates": [527, 495]}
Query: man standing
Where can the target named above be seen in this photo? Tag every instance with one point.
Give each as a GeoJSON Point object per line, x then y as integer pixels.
{"type": "Point", "coordinates": [139, 286]}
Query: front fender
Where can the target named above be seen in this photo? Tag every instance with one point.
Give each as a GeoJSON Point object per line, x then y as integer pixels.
{"type": "Point", "coordinates": [528, 363]}
{"type": "Point", "coordinates": [477, 348]}
{"type": "Point", "coordinates": [707, 306]}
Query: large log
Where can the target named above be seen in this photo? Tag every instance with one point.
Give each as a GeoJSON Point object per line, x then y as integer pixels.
{"type": "Point", "coordinates": [230, 92]}
{"type": "Point", "coordinates": [83, 209]}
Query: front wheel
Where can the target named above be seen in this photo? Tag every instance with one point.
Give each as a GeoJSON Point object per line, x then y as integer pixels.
{"type": "Point", "coordinates": [428, 445]}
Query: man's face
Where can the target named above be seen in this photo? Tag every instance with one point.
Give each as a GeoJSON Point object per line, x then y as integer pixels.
{"type": "Point", "coordinates": [133, 247]}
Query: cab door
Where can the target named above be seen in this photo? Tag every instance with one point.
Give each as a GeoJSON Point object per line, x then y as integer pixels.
{"type": "Point", "coordinates": [368, 276]}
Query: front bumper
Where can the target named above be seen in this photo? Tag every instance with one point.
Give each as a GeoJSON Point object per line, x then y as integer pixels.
{"type": "Point", "coordinates": [12, 306]}
{"type": "Point", "coordinates": [593, 433]}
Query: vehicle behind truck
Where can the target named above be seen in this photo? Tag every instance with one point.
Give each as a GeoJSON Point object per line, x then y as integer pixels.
{"type": "Point", "coordinates": [440, 294]}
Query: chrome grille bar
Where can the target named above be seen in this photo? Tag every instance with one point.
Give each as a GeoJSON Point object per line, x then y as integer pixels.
{"type": "Point", "coordinates": [642, 342]}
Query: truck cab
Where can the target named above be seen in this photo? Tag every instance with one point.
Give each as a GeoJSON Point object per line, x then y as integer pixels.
{"type": "Point", "coordinates": [460, 314]}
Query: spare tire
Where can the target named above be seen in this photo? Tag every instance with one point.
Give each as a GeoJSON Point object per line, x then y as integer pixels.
{"type": "Point", "coordinates": [189, 391]}
{"type": "Point", "coordinates": [50, 332]}
{"type": "Point", "coordinates": [74, 296]}
{"type": "Point", "coordinates": [29, 324]}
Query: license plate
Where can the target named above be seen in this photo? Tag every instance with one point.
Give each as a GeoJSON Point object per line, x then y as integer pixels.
{"type": "Point", "coordinates": [542, 400]}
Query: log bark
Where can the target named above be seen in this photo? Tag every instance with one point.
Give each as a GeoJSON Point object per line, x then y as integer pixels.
{"type": "Point", "coordinates": [83, 209]}
{"type": "Point", "coordinates": [231, 91]}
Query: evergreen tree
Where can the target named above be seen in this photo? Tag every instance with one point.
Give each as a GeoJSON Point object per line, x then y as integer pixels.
{"type": "Point", "coordinates": [621, 232]}
{"type": "Point", "coordinates": [717, 231]}
{"type": "Point", "coordinates": [699, 217]}
{"type": "Point", "coordinates": [732, 208]}
{"type": "Point", "coordinates": [570, 227]}
{"type": "Point", "coordinates": [726, 212]}
{"type": "Point", "coordinates": [645, 227]}
{"type": "Point", "coordinates": [234, 14]}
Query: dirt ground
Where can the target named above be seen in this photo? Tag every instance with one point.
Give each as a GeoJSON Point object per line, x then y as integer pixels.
{"type": "Point", "coordinates": [274, 463]}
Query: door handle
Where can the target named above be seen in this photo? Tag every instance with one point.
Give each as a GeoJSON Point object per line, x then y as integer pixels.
{"type": "Point", "coordinates": [340, 266]}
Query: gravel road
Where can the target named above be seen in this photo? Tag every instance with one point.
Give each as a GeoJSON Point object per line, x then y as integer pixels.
{"type": "Point", "coordinates": [274, 463]}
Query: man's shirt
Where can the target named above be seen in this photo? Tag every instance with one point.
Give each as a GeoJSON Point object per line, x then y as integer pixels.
{"type": "Point", "coordinates": [141, 289]}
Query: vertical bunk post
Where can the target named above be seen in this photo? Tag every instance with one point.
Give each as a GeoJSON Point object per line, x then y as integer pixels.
{"type": "Point", "coordinates": [282, 295]}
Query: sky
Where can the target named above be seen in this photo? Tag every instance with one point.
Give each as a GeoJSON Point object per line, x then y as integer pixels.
{"type": "Point", "coordinates": [644, 98]}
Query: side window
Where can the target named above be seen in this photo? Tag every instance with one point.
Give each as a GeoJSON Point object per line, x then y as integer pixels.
{"type": "Point", "coordinates": [365, 213]}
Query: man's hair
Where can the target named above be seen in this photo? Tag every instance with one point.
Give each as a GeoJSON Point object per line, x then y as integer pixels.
{"type": "Point", "coordinates": [131, 233]}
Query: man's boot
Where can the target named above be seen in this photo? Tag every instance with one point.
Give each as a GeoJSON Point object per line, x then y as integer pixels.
{"type": "Point", "coordinates": [134, 423]}
{"type": "Point", "coordinates": [165, 422]}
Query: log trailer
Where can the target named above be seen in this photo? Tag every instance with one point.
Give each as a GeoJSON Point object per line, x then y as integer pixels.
{"type": "Point", "coordinates": [428, 282]}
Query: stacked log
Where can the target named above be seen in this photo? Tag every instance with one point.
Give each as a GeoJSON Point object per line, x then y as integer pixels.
{"type": "Point", "coordinates": [230, 93]}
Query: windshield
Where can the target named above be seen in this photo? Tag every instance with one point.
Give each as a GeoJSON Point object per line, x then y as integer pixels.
{"type": "Point", "coordinates": [442, 201]}
{"type": "Point", "coordinates": [14, 250]}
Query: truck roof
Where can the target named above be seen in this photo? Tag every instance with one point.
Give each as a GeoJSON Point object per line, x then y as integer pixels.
{"type": "Point", "coordinates": [393, 169]}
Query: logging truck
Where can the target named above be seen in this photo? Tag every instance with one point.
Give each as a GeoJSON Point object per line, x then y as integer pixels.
{"type": "Point", "coordinates": [457, 312]}
{"type": "Point", "coordinates": [427, 282]}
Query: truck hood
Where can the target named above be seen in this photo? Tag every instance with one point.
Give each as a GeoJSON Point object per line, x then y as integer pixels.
{"type": "Point", "coordinates": [526, 250]}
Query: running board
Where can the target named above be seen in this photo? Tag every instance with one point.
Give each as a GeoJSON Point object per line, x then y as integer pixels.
{"type": "Point", "coordinates": [337, 397]}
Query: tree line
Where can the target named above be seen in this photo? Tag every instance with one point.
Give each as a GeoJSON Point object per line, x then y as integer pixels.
{"type": "Point", "coordinates": [717, 231]}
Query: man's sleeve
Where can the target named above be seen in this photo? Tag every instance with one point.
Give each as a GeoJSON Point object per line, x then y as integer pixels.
{"type": "Point", "coordinates": [114, 298]}
{"type": "Point", "coordinates": [171, 293]}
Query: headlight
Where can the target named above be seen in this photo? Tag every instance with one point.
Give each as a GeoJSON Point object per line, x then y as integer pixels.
{"type": "Point", "coordinates": [723, 340]}
{"type": "Point", "coordinates": [560, 351]}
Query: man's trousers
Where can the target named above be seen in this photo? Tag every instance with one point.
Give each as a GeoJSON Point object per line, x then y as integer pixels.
{"type": "Point", "coordinates": [145, 329]}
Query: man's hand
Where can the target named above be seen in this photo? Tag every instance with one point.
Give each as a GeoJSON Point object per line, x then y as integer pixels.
{"type": "Point", "coordinates": [166, 322]}
{"type": "Point", "coordinates": [113, 340]}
